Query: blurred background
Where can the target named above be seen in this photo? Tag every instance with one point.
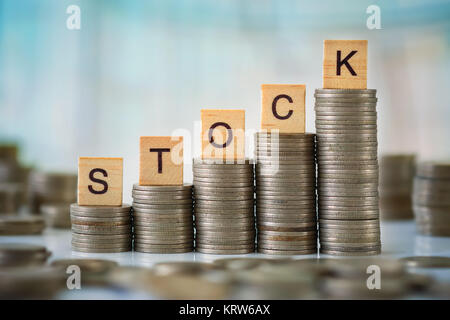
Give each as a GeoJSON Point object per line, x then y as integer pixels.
{"type": "Point", "coordinates": [147, 68]}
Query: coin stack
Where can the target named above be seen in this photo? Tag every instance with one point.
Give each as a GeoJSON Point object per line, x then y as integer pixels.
{"type": "Point", "coordinates": [102, 229]}
{"type": "Point", "coordinates": [396, 180]}
{"type": "Point", "coordinates": [11, 197]}
{"type": "Point", "coordinates": [21, 225]}
{"type": "Point", "coordinates": [286, 193]}
{"type": "Point", "coordinates": [12, 180]}
{"type": "Point", "coordinates": [163, 220]}
{"type": "Point", "coordinates": [224, 206]}
{"type": "Point", "coordinates": [56, 215]}
{"type": "Point", "coordinates": [431, 198]}
{"type": "Point", "coordinates": [22, 255]}
{"type": "Point", "coordinates": [346, 125]}
{"type": "Point", "coordinates": [51, 188]}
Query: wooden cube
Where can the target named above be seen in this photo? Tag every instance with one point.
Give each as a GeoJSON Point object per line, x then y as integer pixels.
{"type": "Point", "coordinates": [161, 161]}
{"type": "Point", "coordinates": [223, 134]}
{"type": "Point", "coordinates": [345, 64]}
{"type": "Point", "coordinates": [100, 181]}
{"type": "Point", "coordinates": [283, 107]}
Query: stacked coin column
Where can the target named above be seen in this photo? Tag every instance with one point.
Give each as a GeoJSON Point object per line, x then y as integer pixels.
{"type": "Point", "coordinates": [286, 193]}
{"type": "Point", "coordinates": [162, 219]}
{"type": "Point", "coordinates": [101, 229]}
{"type": "Point", "coordinates": [346, 125]}
{"type": "Point", "coordinates": [431, 198]}
{"type": "Point", "coordinates": [51, 189]}
{"type": "Point", "coordinates": [396, 181]}
{"type": "Point", "coordinates": [224, 207]}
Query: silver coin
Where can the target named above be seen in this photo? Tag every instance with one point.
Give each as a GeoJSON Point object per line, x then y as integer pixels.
{"type": "Point", "coordinates": [237, 204]}
{"type": "Point", "coordinates": [162, 198]}
{"type": "Point", "coordinates": [101, 250]}
{"type": "Point", "coordinates": [101, 245]}
{"type": "Point", "coordinates": [178, 227]}
{"type": "Point", "coordinates": [233, 246]}
{"type": "Point", "coordinates": [153, 188]}
{"type": "Point", "coordinates": [100, 238]}
{"type": "Point", "coordinates": [223, 211]}
{"type": "Point", "coordinates": [100, 209]}
{"type": "Point", "coordinates": [344, 253]}
{"type": "Point", "coordinates": [351, 224]}
{"type": "Point", "coordinates": [348, 201]}
{"type": "Point", "coordinates": [224, 184]}
{"type": "Point", "coordinates": [160, 213]}
{"type": "Point", "coordinates": [286, 246]}
{"type": "Point", "coordinates": [166, 241]}
{"type": "Point", "coordinates": [162, 207]}
{"type": "Point", "coordinates": [295, 136]}
{"type": "Point", "coordinates": [230, 251]}
{"type": "Point", "coordinates": [426, 262]}
{"type": "Point", "coordinates": [287, 252]}
{"type": "Point", "coordinates": [430, 169]}
{"type": "Point", "coordinates": [341, 138]}
{"type": "Point", "coordinates": [163, 251]}
{"type": "Point", "coordinates": [345, 91]}
{"type": "Point", "coordinates": [101, 229]}
{"type": "Point", "coordinates": [344, 109]}
{"type": "Point", "coordinates": [236, 236]}
{"type": "Point", "coordinates": [224, 196]}
{"type": "Point", "coordinates": [344, 98]}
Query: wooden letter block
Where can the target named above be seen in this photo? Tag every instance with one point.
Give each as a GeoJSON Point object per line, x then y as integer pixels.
{"type": "Point", "coordinates": [161, 161]}
{"type": "Point", "coordinates": [345, 64]}
{"type": "Point", "coordinates": [100, 181]}
{"type": "Point", "coordinates": [283, 107]}
{"type": "Point", "coordinates": [223, 134]}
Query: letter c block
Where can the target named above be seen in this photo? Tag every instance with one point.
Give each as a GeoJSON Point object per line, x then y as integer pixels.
{"type": "Point", "coordinates": [100, 181]}
{"type": "Point", "coordinates": [283, 107]}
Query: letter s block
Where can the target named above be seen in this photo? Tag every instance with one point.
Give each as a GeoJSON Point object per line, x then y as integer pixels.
{"type": "Point", "coordinates": [100, 181]}
{"type": "Point", "coordinates": [161, 161]}
{"type": "Point", "coordinates": [345, 64]}
{"type": "Point", "coordinates": [283, 107]}
{"type": "Point", "coordinates": [223, 134]}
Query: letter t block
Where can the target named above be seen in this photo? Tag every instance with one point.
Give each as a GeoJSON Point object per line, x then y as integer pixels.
{"type": "Point", "coordinates": [161, 161]}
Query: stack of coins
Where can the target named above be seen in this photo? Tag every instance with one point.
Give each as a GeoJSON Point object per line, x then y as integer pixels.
{"type": "Point", "coordinates": [163, 220]}
{"type": "Point", "coordinates": [286, 193]}
{"type": "Point", "coordinates": [51, 188]}
{"type": "Point", "coordinates": [21, 225]}
{"type": "Point", "coordinates": [346, 124]}
{"type": "Point", "coordinates": [102, 229]}
{"type": "Point", "coordinates": [396, 180]}
{"type": "Point", "coordinates": [22, 255]}
{"type": "Point", "coordinates": [224, 207]}
{"type": "Point", "coordinates": [56, 215]}
{"type": "Point", "coordinates": [11, 197]}
{"type": "Point", "coordinates": [431, 198]}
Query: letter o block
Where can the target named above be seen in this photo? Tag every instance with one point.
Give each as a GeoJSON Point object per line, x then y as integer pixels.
{"type": "Point", "coordinates": [161, 161]}
{"type": "Point", "coordinates": [283, 107]}
{"type": "Point", "coordinates": [100, 181]}
{"type": "Point", "coordinates": [345, 64]}
{"type": "Point", "coordinates": [223, 134]}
